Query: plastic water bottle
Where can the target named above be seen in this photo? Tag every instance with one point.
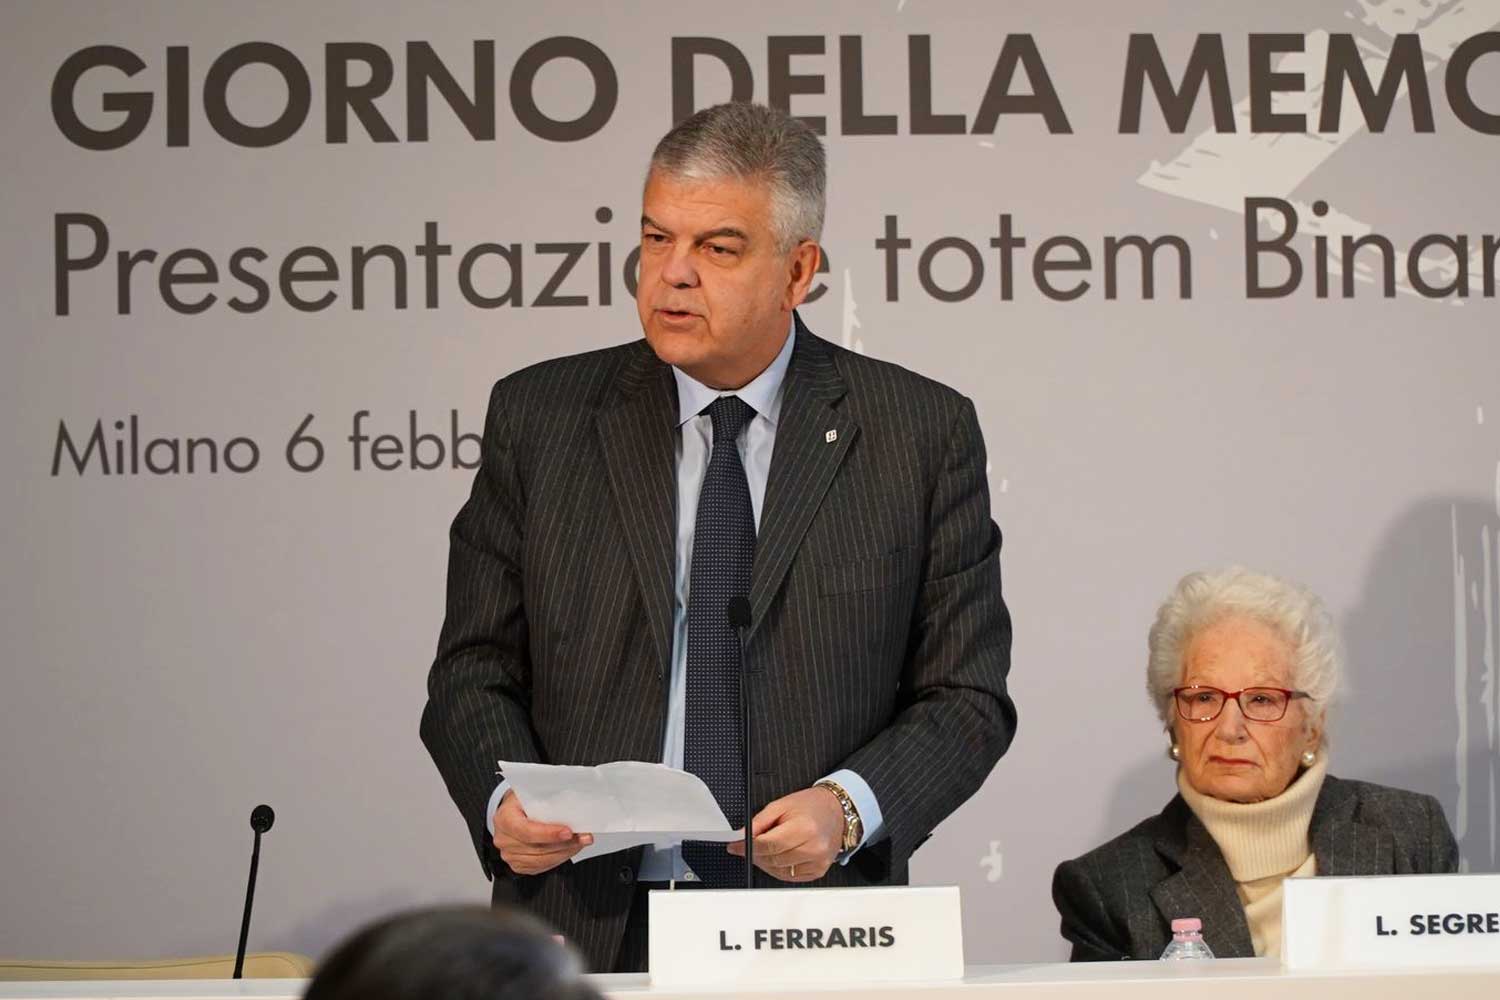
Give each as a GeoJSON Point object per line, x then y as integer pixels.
{"type": "Point", "coordinates": [1187, 941]}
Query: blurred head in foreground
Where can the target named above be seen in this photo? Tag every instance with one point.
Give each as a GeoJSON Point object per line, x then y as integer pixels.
{"type": "Point", "coordinates": [455, 953]}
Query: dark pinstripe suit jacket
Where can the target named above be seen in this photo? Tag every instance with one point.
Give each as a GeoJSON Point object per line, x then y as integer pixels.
{"type": "Point", "coordinates": [879, 639]}
{"type": "Point", "coordinates": [1118, 901]}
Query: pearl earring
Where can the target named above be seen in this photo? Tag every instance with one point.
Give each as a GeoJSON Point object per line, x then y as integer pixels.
{"type": "Point", "coordinates": [1308, 758]}
{"type": "Point", "coordinates": [1175, 752]}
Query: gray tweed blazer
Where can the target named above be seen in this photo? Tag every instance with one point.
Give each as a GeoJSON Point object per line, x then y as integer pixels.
{"type": "Point", "coordinates": [1118, 901]}
{"type": "Point", "coordinates": [879, 639]}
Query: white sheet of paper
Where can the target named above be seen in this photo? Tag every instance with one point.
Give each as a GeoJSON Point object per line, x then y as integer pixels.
{"type": "Point", "coordinates": [623, 804]}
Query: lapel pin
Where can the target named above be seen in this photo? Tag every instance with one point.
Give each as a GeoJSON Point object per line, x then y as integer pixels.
{"type": "Point", "coordinates": [831, 436]}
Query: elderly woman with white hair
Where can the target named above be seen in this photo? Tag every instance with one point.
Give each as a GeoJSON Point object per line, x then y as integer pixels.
{"type": "Point", "coordinates": [1241, 670]}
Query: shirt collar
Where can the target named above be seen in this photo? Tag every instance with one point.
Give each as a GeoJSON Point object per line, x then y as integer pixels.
{"type": "Point", "coordinates": [763, 393]}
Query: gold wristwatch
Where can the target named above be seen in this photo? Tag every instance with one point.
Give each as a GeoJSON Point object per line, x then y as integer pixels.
{"type": "Point", "coordinates": [854, 827]}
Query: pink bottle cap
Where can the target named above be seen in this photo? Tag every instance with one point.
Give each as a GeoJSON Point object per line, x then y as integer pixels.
{"type": "Point", "coordinates": [1184, 925]}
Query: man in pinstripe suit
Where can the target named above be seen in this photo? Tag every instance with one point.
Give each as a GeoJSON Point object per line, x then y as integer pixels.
{"type": "Point", "coordinates": [587, 572]}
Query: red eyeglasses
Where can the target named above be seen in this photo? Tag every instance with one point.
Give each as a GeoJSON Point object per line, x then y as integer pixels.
{"type": "Point", "coordinates": [1201, 703]}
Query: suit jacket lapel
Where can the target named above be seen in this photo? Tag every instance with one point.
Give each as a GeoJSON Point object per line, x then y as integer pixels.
{"type": "Point", "coordinates": [1342, 844]}
{"type": "Point", "coordinates": [637, 434]}
{"type": "Point", "coordinates": [812, 438]}
{"type": "Point", "coordinates": [1202, 887]}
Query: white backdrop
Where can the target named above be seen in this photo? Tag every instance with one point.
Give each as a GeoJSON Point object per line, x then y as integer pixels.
{"type": "Point", "coordinates": [179, 647]}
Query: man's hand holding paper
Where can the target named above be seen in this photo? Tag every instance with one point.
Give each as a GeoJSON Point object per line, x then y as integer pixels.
{"type": "Point", "coordinates": [529, 847]}
{"type": "Point", "coordinates": [621, 805]}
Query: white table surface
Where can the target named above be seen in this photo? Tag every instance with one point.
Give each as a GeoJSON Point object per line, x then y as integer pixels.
{"type": "Point", "coordinates": [1229, 979]}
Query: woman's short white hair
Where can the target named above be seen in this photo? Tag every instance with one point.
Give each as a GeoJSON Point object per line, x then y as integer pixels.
{"type": "Point", "coordinates": [1203, 598]}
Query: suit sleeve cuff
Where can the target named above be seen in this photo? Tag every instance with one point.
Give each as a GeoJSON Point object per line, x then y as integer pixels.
{"type": "Point", "coordinates": [864, 802]}
{"type": "Point", "coordinates": [497, 795]}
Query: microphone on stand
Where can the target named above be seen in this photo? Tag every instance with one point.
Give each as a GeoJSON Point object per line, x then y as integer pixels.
{"type": "Point", "coordinates": [738, 613]}
{"type": "Point", "coordinates": [261, 818]}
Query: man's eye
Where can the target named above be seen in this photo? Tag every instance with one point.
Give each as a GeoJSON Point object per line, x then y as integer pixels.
{"type": "Point", "coordinates": [720, 251]}
{"type": "Point", "coordinates": [653, 237]}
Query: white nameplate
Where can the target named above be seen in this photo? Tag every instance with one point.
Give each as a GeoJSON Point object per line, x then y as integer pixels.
{"type": "Point", "coordinates": [1390, 921]}
{"type": "Point", "coordinates": [726, 937]}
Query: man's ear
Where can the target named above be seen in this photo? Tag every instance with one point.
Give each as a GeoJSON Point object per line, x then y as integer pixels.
{"type": "Point", "coordinates": [801, 269]}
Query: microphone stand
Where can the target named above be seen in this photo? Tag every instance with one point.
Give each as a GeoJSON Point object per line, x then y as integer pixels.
{"type": "Point", "coordinates": [739, 617]}
{"type": "Point", "coordinates": [261, 819]}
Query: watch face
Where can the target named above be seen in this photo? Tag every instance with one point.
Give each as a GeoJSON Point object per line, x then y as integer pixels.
{"type": "Point", "coordinates": [852, 829]}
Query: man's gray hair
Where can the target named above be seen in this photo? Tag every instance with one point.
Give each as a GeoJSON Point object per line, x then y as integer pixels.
{"type": "Point", "coordinates": [1201, 599]}
{"type": "Point", "coordinates": [751, 142]}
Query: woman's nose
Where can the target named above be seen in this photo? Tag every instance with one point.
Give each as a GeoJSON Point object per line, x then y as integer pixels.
{"type": "Point", "coordinates": [1230, 726]}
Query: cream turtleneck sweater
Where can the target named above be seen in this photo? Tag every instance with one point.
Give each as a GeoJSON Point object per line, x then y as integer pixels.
{"type": "Point", "coordinates": [1263, 844]}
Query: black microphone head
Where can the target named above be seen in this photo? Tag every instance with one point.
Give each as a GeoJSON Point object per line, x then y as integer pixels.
{"type": "Point", "coordinates": [261, 818]}
{"type": "Point", "coordinates": [739, 612]}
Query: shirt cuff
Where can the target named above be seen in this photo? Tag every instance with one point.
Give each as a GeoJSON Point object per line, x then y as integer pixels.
{"type": "Point", "coordinates": [864, 803]}
{"type": "Point", "coordinates": [499, 793]}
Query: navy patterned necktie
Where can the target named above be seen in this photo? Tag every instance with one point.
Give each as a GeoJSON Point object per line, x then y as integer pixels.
{"type": "Point", "coordinates": [723, 550]}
